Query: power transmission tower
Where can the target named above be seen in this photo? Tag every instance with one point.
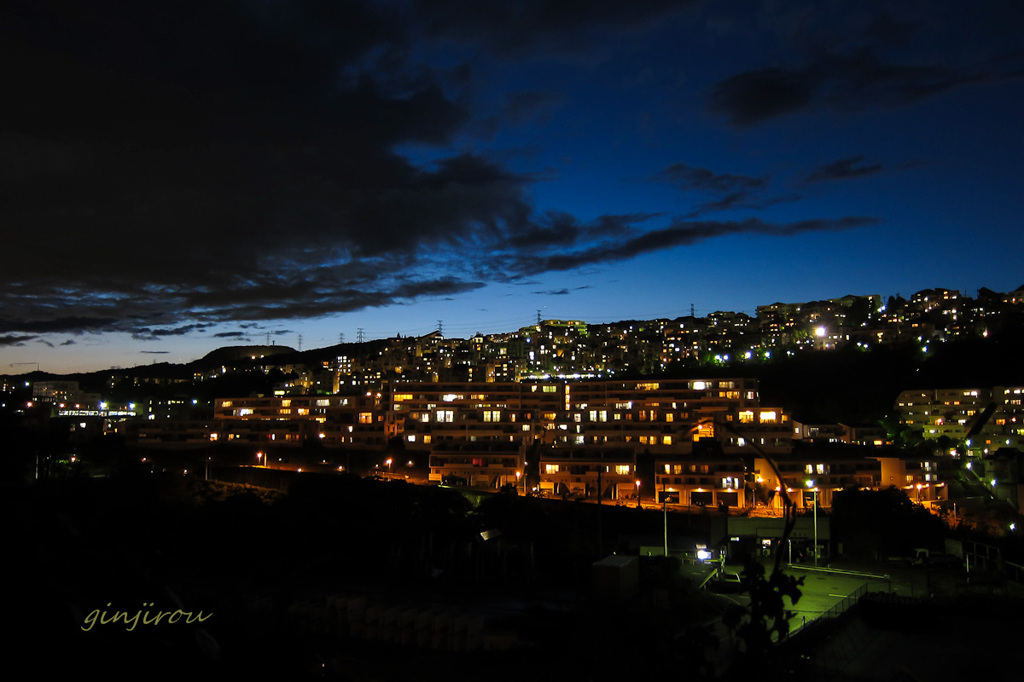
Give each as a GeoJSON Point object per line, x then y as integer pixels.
{"type": "Point", "coordinates": [359, 335]}
{"type": "Point", "coordinates": [440, 327]}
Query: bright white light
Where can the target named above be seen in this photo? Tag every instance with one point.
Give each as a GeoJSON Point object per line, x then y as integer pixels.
{"type": "Point", "coordinates": [820, 332]}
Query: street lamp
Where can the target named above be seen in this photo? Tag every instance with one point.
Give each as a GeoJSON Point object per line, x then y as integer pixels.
{"type": "Point", "coordinates": [518, 475]}
{"type": "Point", "coordinates": [810, 484]}
{"type": "Point", "coordinates": [388, 462]}
{"type": "Point", "coordinates": [259, 458]}
{"type": "Point", "coordinates": [638, 493]}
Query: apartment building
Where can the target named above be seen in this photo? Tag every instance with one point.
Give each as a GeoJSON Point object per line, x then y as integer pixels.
{"type": "Point", "coordinates": [707, 477]}
{"type": "Point", "coordinates": [608, 472]}
{"type": "Point", "coordinates": [983, 419]}
{"type": "Point", "coordinates": [610, 420]}
{"type": "Point", "coordinates": [336, 421]}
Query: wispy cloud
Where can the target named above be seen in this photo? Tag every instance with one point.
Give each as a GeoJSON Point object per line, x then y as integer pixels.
{"type": "Point", "coordinates": [843, 169]}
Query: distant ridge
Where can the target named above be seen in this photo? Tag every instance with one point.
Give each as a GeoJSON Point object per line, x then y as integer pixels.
{"type": "Point", "coordinates": [231, 354]}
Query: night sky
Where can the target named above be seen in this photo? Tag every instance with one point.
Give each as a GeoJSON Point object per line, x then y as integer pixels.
{"type": "Point", "coordinates": [183, 175]}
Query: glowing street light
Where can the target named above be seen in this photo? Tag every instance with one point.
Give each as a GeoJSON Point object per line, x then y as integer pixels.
{"type": "Point", "coordinates": [259, 458]}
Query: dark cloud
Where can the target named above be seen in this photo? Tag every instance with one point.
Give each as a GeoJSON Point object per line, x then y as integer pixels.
{"type": "Point", "coordinates": [68, 342]}
{"type": "Point", "coordinates": [238, 162]}
{"type": "Point", "coordinates": [154, 352]}
{"type": "Point", "coordinates": [739, 200]}
{"type": "Point", "coordinates": [731, 191]}
{"type": "Point", "coordinates": [147, 334]}
{"type": "Point", "coordinates": [553, 292]}
{"type": "Point", "coordinates": [756, 96]}
{"type": "Point", "coordinates": [231, 335]}
{"type": "Point", "coordinates": [851, 57]}
{"type": "Point", "coordinates": [187, 164]}
{"type": "Point", "coordinates": [14, 339]}
{"type": "Point", "coordinates": [9, 320]}
{"type": "Point", "coordinates": [543, 28]}
{"type": "Point", "coordinates": [843, 169]}
{"type": "Point", "coordinates": [693, 178]}
{"type": "Point", "coordinates": [680, 233]}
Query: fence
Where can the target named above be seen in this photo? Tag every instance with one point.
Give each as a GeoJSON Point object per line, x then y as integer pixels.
{"type": "Point", "coordinates": [833, 613]}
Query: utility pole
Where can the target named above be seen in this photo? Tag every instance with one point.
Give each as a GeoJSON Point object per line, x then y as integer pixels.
{"type": "Point", "coordinates": [664, 514]}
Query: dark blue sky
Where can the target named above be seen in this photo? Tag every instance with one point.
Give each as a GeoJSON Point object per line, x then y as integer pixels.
{"type": "Point", "coordinates": [183, 175]}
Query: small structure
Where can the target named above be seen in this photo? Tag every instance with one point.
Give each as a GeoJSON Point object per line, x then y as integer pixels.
{"type": "Point", "coordinates": [616, 577]}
